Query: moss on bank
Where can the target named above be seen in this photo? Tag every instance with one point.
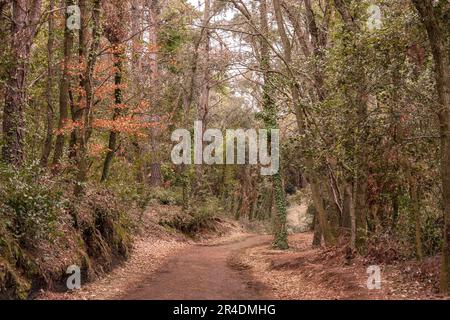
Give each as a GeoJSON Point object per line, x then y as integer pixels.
{"type": "Point", "coordinates": [44, 230]}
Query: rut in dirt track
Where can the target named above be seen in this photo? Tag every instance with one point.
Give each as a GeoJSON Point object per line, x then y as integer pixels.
{"type": "Point", "coordinates": [203, 273]}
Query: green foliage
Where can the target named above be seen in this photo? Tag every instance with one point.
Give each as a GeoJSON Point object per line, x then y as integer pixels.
{"type": "Point", "coordinates": [199, 219]}
{"type": "Point", "coordinates": [41, 216]}
{"type": "Point", "coordinates": [208, 209]}
{"type": "Point", "coordinates": [430, 227]}
{"type": "Point", "coordinates": [29, 203]}
{"type": "Point", "coordinates": [432, 235]}
{"type": "Point", "coordinates": [172, 41]}
{"type": "Point", "coordinates": [164, 196]}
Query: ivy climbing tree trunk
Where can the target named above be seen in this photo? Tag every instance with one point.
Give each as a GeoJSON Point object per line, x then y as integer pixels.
{"type": "Point", "coordinates": [270, 118]}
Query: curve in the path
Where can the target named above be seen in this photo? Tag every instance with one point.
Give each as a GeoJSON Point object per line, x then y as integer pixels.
{"type": "Point", "coordinates": [203, 273]}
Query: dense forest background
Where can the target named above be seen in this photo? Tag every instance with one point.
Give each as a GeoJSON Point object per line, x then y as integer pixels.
{"type": "Point", "coordinates": [91, 90]}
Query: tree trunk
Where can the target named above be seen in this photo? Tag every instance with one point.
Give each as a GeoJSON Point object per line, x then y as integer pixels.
{"type": "Point", "coordinates": [155, 132]}
{"type": "Point", "coordinates": [48, 143]}
{"type": "Point", "coordinates": [437, 34]}
{"type": "Point", "coordinates": [113, 135]}
{"type": "Point", "coordinates": [83, 114]}
{"type": "Point", "coordinates": [156, 175]}
{"type": "Point", "coordinates": [317, 239]}
{"type": "Point", "coordinates": [64, 90]}
{"type": "Point", "coordinates": [361, 210]}
{"type": "Point", "coordinates": [270, 110]}
{"type": "Point", "coordinates": [346, 219]}
{"type": "Point", "coordinates": [321, 213]}
{"type": "Point", "coordinates": [25, 17]}
{"type": "Point", "coordinates": [352, 213]}
{"type": "Point", "coordinates": [416, 215]}
{"type": "Point", "coordinates": [75, 107]}
{"type": "Point", "coordinates": [116, 37]}
{"type": "Point", "coordinates": [137, 79]}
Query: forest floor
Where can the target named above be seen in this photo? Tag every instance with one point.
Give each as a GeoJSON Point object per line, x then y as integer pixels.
{"type": "Point", "coordinates": [306, 273]}
{"type": "Point", "coordinates": [238, 265]}
{"type": "Point", "coordinates": [158, 252]}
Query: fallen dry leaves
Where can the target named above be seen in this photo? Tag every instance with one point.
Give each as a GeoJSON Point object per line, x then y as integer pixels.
{"type": "Point", "coordinates": [306, 273]}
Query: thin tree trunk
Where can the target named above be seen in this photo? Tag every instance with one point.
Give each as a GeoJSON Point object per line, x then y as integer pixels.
{"type": "Point", "coordinates": [346, 220]}
{"type": "Point", "coordinates": [48, 143]}
{"type": "Point", "coordinates": [136, 70]}
{"type": "Point", "coordinates": [116, 37]}
{"type": "Point", "coordinates": [352, 212]}
{"type": "Point", "coordinates": [75, 107]}
{"type": "Point", "coordinates": [204, 90]}
{"type": "Point", "coordinates": [83, 133]}
{"type": "Point", "coordinates": [113, 135]}
{"type": "Point", "coordinates": [416, 215]}
{"type": "Point", "coordinates": [64, 92]}
{"type": "Point", "coordinates": [155, 132]}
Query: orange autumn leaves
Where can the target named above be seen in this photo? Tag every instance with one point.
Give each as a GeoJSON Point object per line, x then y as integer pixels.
{"type": "Point", "coordinates": [128, 124]}
{"type": "Point", "coordinates": [135, 118]}
{"type": "Point", "coordinates": [137, 123]}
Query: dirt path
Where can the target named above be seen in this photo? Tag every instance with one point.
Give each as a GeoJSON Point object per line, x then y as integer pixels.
{"type": "Point", "coordinates": [203, 273]}
{"type": "Point", "coordinates": [243, 267]}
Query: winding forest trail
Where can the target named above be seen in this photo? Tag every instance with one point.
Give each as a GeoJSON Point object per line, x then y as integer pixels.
{"type": "Point", "coordinates": [204, 272]}
{"type": "Point", "coordinates": [243, 266]}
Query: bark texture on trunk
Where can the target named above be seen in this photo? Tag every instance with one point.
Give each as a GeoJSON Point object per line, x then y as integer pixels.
{"type": "Point", "coordinates": [118, 100]}
{"type": "Point", "coordinates": [64, 90]}
{"type": "Point", "coordinates": [25, 17]}
{"type": "Point", "coordinates": [48, 143]}
{"type": "Point", "coordinates": [83, 113]}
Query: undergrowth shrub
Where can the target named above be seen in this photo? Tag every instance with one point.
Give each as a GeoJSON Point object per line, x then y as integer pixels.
{"type": "Point", "coordinates": [196, 220]}
{"type": "Point", "coordinates": [44, 228]}
{"type": "Point", "coordinates": [431, 227]}
{"type": "Point", "coordinates": [29, 205]}
{"type": "Point", "coordinates": [164, 196]}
